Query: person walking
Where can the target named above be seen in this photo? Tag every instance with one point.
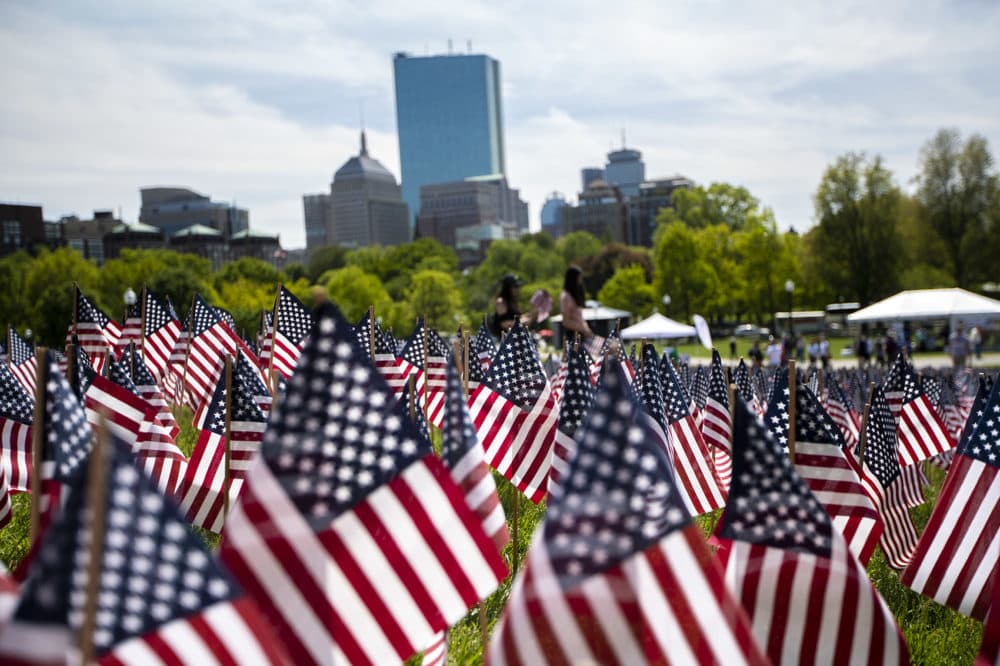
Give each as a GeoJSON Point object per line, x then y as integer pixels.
{"type": "Point", "coordinates": [958, 347]}
{"type": "Point", "coordinates": [506, 307]}
{"type": "Point", "coordinates": [571, 303]}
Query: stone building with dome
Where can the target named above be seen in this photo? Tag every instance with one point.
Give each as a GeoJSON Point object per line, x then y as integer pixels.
{"type": "Point", "coordinates": [364, 207]}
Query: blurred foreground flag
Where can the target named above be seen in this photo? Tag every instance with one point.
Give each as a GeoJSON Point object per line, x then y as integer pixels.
{"type": "Point", "coordinates": [349, 531]}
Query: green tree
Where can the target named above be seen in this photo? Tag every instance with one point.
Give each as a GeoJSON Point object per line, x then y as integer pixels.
{"type": "Point", "coordinates": [858, 245]}
{"type": "Point", "coordinates": [167, 273]}
{"type": "Point", "coordinates": [433, 294]}
{"type": "Point", "coordinates": [48, 287]}
{"type": "Point", "coordinates": [353, 291]}
{"type": "Point", "coordinates": [719, 203]}
{"type": "Point", "coordinates": [15, 308]}
{"type": "Point", "coordinates": [296, 271]}
{"type": "Point", "coordinates": [959, 194]}
{"type": "Point", "coordinates": [598, 268]}
{"type": "Point", "coordinates": [681, 268]}
{"type": "Point", "coordinates": [323, 259]}
{"type": "Point", "coordinates": [578, 245]}
{"type": "Point", "coordinates": [629, 289]}
{"type": "Point", "coordinates": [765, 264]}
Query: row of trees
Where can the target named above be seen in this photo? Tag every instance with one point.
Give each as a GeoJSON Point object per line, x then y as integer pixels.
{"type": "Point", "coordinates": [717, 252]}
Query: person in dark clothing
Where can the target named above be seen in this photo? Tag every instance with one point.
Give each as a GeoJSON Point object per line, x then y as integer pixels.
{"type": "Point", "coordinates": [506, 308]}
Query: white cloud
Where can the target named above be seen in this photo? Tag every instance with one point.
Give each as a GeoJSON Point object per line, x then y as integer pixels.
{"type": "Point", "coordinates": [107, 99]}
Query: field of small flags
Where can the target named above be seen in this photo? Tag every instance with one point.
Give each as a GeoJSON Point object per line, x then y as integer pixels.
{"type": "Point", "coordinates": [171, 492]}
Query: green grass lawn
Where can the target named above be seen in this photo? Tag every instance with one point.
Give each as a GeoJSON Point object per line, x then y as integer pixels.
{"type": "Point", "coordinates": [935, 634]}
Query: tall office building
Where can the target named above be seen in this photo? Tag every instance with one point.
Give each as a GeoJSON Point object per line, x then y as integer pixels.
{"type": "Point", "coordinates": [589, 175]}
{"type": "Point", "coordinates": [316, 208]}
{"type": "Point", "coordinates": [175, 208]}
{"type": "Point", "coordinates": [625, 170]}
{"type": "Point", "coordinates": [552, 212]}
{"type": "Point", "coordinates": [449, 120]}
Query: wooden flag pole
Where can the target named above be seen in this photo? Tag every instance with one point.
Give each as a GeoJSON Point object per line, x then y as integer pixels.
{"type": "Point", "coordinates": [10, 361]}
{"type": "Point", "coordinates": [371, 331]}
{"type": "Point", "coordinates": [819, 386]}
{"type": "Point", "coordinates": [227, 479]}
{"type": "Point", "coordinates": [142, 328]}
{"type": "Point", "coordinates": [862, 438]}
{"type": "Point", "coordinates": [275, 382]}
{"type": "Point", "coordinates": [274, 330]}
{"type": "Point", "coordinates": [76, 300]}
{"type": "Point", "coordinates": [792, 382]}
{"type": "Point", "coordinates": [187, 349]}
{"type": "Point", "coordinates": [413, 398]}
{"type": "Point", "coordinates": [427, 383]}
{"type": "Point", "coordinates": [71, 369]}
{"type": "Point", "coordinates": [97, 473]}
{"type": "Point", "coordinates": [465, 362]}
{"type": "Point", "coordinates": [38, 442]}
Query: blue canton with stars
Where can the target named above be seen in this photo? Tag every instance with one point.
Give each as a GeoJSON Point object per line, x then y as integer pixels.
{"type": "Point", "coordinates": [15, 403]}
{"type": "Point", "coordinates": [741, 377]}
{"type": "Point", "coordinates": [202, 316]}
{"type": "Point", "coordinates": [675, 398]}
{"type": "Point", "coordinates": [812, 423]}
{"type": "Point", "coordinates": [516, 373]}
{"type": "Point", "coordinates": [157, 315]}
{"type": "Point", "coordinates": [699, 386]}
{"type": "Point", "coordinates": [458, 436]}
{"type": "Point", "coordinates": [246, 373]}
{"type": "Point", "coordinates": [577, 392]}
{"type": "Point", "coordinates": [983, 390]}
{"type": "Point", "coordinates": [68, 437]}
{"type": "Point", "coordinates": [880, 451]}
{"type": "Point", "coordinates": [984, 440]}
{"type": "Point", "coordinates": [717, 389]}
{"type": "Point", "coordinates": [649, 388]}
{"type": "Point", "coordinates": [483, 342]}
{"type": "Point", "coordinates": [20, 351]}
{"type": "Point", "coordinates": [769, 503]}
{"type": "Point", "coordinates": [118, 375]}
{"type": "Point", "coordinates": [618, 497]}
{"type": "Point", "coordinates": [243, 406]}
{"type": "Point", "coordinates": [294, 319]}
{"type": "Point", "coordinates": [131, 361]}
{"type": "Point", "coordinates": [88, 313]}
{"type": "Point", "coordinates": [154, 569]}
{"type": "Point", "coordinates": [84, 371]}
{"type": "Point", "coordinates": [341, 433]}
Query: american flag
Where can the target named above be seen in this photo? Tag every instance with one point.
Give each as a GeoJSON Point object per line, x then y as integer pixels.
{"type": "Point", "coordinates": [893, 491]}
{"type": "Point", "coordinates": [841, 409]}
{"type": "Point", "coordinates": [484, 347]}
{"type": "Point", "coordinates": [21, 356]}
{"type": "Point", "coordinates": [618, 573]}
{"type": "Point", "coordinates": [94, 330]}
{"type": "Point", "coordinates": [248, 374]}
{"type": "Point", "coordinates": [131, 419]}
{"type": "Point", "coordinates": [989, 650]}
{"type": "Point", "coordinates": [557, 376]}
{"type": "Point", "coordinates": [515, 416]}
{"type": "Point", "coordinates": [202, 491]}
{"type": "Point", "coordinates": [463, 457]}
{"type": "Point", "coordinates": [17, 412]}
{"type": "Point", "coordinates": [131, 328]}
{"type": "Point", "coordinates": [744, 387]}
{"type": "Point", "coordinates": [264, 336]}
{"type": "Point", "coordinates": [424, 344]}
{"type": "Point", "coordinates": [808, 598]}
{"type": "Point", "coordinates": [349, 530]}
{"type": "Point", "coordinates": [145, 385]}
{"type": "Point", "coordinates": [162, 597]}
{"type": "Point", "coordinates": [957, 557]}
{"type": "Point", "coordinates": [950, 410]}
{"type": "Point", "coordinates": [577, 397]}
{"type": "Point", "coordinates": [160, 334]}
{"type": "Point", "coordinates": [294, 322]}
{"type": "Point", "coordinates": [920, 430]}
{"type": "Point", "coordinates": [210, 341]}
{"type": "Point", "coordinates": [716, 423]}
{"type": "Point", "coordinates": [227, 317]}
{"type": "Point", "coordinates": [385, 353]}
{"type": "Point", "coordinates": [67, 443]}
{"type": "Point", "coordinates": [699, 384]}
{"type": "Point", "coordinates": [699, 485]}
{"type": "Point", "coordinates": [822, 463]}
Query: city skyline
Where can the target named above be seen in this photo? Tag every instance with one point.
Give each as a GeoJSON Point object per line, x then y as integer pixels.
{"type": "Point", "coordinates": [256, 105]}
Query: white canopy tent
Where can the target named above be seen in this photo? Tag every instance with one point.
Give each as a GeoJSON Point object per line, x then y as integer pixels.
{"type": "Point", "coordinates": [923, 304]}
{"type": "Point", "coordinates": [656, 327]}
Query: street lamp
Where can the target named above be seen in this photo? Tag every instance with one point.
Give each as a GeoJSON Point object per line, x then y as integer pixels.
{"type": "Point", "coordinates": [790, 288]}
{"type": "Point", "coordinates": [129, 298]}
{"type": "Point", "coordinates": [666, 302]}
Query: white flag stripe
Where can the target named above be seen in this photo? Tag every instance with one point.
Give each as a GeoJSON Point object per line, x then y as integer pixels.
{"type": "Point", "coordinates": [137, 651]}
{"type": "Point", "coordinates": [833, 601]}
{"type": "Point", "coordinates": [229, 627]}
{"type": "Point", "coordinates": [525, 641]}
{"type": "Point", "coordinates": [560, 617]}
{"type": "Point", "coordinates": [666, 630]}
{"type": "Point", "coordinates": [186, 643]}
{"type": "Point", "coordinates": [358, 541]}
{"type": "Point", "coordinates": [800, 599]}
{"type": "Point", "coordinates": [603, 602]}
{"type": "Point", "coordinates": [987, 566]}
{"type": "Point", "coordinates": [272, 575]}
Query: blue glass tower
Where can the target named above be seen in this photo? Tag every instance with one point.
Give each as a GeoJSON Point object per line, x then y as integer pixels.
{"type": "Point", "coordinates": [448, 118]}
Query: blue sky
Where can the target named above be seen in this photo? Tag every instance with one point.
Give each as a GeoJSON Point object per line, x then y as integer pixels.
{"type": "Point", "coordinates": [259, 102]}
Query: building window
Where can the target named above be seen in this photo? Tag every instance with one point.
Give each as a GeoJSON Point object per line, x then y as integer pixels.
{"type": "Point", "coordinates": [12, 233]}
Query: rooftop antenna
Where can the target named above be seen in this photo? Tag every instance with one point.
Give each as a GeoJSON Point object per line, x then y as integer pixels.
{"type": "Point", "coordinates": [364, 140]}
{"type": "Point", "coordinates": [468, 45]}
{"type": "Point", "coordinates": [449, 46]}
{"type": "Point", "coordinates": [623, 138]}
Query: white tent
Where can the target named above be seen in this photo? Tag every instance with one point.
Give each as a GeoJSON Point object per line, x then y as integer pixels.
{"type": "Point", "coordinates": [951, 304]}
{"type": "Point", "coordinates": [656, 327]}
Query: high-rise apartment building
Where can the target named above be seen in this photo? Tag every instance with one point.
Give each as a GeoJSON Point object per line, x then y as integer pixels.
{"type": "Point", "coordinates": [449, 120]}
{"type": "Point", "coordinates": [552, 212]}
{"type": "Point", "coordinates": [317, 213]}
{"type": "Point", "coordinates": [589, 175]}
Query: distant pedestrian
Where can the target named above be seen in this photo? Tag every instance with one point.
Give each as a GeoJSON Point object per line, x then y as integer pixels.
{"type": "Point", "coordinates": [958, 347]}
{"type": "Point", "coordinates": [572, 300]}
{"type": "Point", "coordinates": [775, 352]}
{"type": "Point", "coordinates": [976, 340]}
{"type": "Point", "coordinates": [732, 347]}
{"type": "Point", "coordinates": [824, 351]}
{"type": "Point", "coordinates": [506, 308]}
{"type": "Point", "coordinates": [756, 355]}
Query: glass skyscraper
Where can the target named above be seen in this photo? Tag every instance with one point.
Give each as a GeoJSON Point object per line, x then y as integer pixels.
{"type": "Point", "coordinates": [448, 118]}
